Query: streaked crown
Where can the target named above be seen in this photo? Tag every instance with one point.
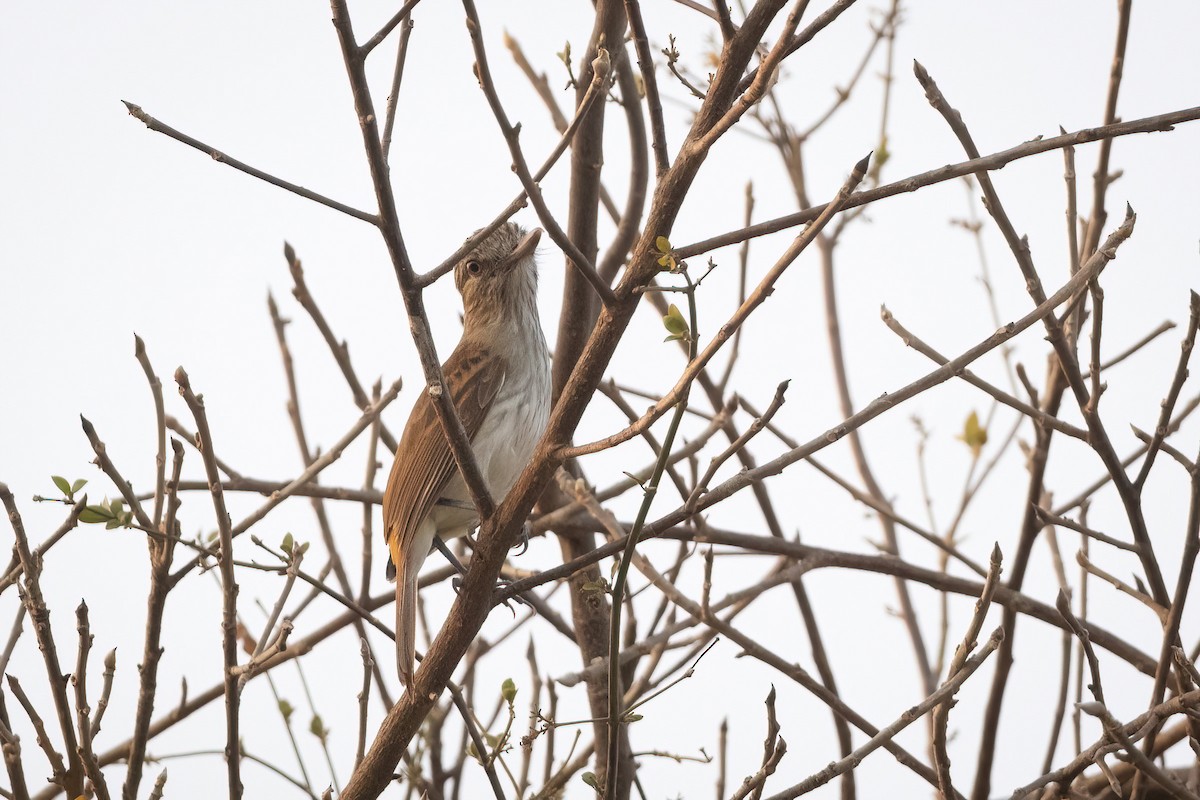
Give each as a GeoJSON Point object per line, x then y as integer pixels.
{"type": "Point", "coordinates": [498, 279]}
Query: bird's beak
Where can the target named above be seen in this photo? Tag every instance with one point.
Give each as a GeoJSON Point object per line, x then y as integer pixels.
{"type": "Point", "coordinates": [524, 249]}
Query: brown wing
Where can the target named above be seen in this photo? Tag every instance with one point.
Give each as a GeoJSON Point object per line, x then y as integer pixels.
{"type": "Point", "coordinates": [424, 463]}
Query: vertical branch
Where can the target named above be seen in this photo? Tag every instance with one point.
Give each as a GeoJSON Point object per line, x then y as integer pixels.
{"type": "Point", "coordinates": [1100, 177]}
{"type": "Point", "coordinates": [363, 695]}
{"type": "Point", "coordinates": [10, 745]}
{"type": "Point", "coordinates": [160, 459]}
{"type": "Point", "coordinates": [743, 265]}
{"type": "Point", "coordinates": [306, 455]}
{"type": "Point", "coordinates": [470, 608]}
{"type": "Point", "coordinates": [229, 587]}
{"type": "Point", "coordinates": [615, 692]}
{"type": "Point", "coordinates": [1064, 683]}
{"type": "Point", "coordinates": [658, 130]}
{"type": "Point", "coordinates": [72, 777]}
{"type": "Point", "coordinates": [579, 307]}
{"type": "Point", "coordinates": [83, 712]}
{"type": "Point", "coordinates": [841, 376]}
{"type": "Point", "coordinates": [1076, 718]}
{"type": "Point", "coordinates": [598, 82]}
{"type": "Point", "coordinates": [389, 121]}
{"type": "Point", "coordinates": [1187, 565]}
{"type": "Point", "coordinates": [161, 551]}
{"type": "Point", "coordinates": [578, 313]}
{"type": "Point", "coordinates": [639, 168]}
{"type": "Point", "coordinates": [941, 714]}
{"type": "Point", "coordinates": [388, 222]}
{"type": "Point", "coordinates": [369, 508]}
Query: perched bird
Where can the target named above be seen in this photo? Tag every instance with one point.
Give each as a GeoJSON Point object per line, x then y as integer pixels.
{"type": "Point", "coordinates": [499, 380]}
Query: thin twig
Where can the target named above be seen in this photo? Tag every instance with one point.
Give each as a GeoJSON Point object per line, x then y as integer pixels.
{"type": "Point", "coordinates": [83, 711]}
{"type": "Point", "coordinates": [511, 133]}
{"type": "Point", "coordinates": [393, 96]}
{"type": "Point", "coordinates": [161, 553]}
{"type": "Point", "coordinates": [59, 770]}
{"type": "Point", "coordinates": [400, 16]}
{"type": "Point", "coordinates": [70, 777]}
{"type": "Point", "coordinates": [995, 161]}
{"type": "Point", "coordinates": [941, 714]}
{"type": "Point", "coordinates": [216, 155]}
{"type": "Point", "coordinates": [229, 587]}
{"type": "Point", "coordinates": [637, 29]}
{"type": "Point", "coordinates": [756, 298]}
{"type": "Point", "coordinates": [160, 459]}
{"type": "Point", "coordinates": [946, 691]}
{"type": "Point", "coordinates": [337, 348]}
{"type": "Point", "coordinates": [1053, 519]}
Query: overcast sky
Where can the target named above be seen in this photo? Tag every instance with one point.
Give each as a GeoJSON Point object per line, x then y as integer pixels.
{"type": "Point", "coordinates": [107, 229]}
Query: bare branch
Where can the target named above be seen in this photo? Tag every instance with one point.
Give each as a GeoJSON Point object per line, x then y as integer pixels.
{"type": "Point", "coordinates": [69, 777]}
{"type": "Point", "coordinates": [995, 161]}
{"type": "Point", "coordinates": [216, 155]}
{"type": "Point", "coordinates": [229, 587]}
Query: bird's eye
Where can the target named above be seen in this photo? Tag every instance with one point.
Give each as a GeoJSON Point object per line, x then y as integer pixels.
{"type": "Point", "coordinates": [473, 267]}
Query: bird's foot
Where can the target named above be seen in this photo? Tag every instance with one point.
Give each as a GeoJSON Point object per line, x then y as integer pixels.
{"type": "Point", "coordinates": [522, 540]}
{"type": "Point", "coordinates": [501, 585]}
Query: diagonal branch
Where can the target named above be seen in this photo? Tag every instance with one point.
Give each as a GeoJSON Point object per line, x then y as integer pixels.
{"type": "Point", "coordinates": [216, 155]}
{"type": "Point", "coordinates": [995, 161]}
{"type": "Point", "coordinates": [388, 222]}
{"type": "Point", "coordinates": [511, 133]}
{"type": "Point", "coordinates": [756, 298]}
{"type": "Point", "coordinates": [229, 587]}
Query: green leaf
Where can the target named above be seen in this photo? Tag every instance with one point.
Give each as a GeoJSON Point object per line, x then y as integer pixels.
{"type": "Point", "coordinates": [77, 485]}
{"type": "Point", "coordinates": [974, 435]}
{"type": "Point", "coordinates": [286, 709]}
{"type": "Point", "coordinates": [92, 515]}
{"type": "Point", "coordinates": [882, 154]}
{"type": "Point", "coordinates": [590, 779]}
{"type": "Point", "coordinates": [633, 717]}
{"type": "Point", "coordinates": [675, 324]}
{"type": "Point", "coordinates": [62, 484]}
{"type": "Point", "coordinates": [666, 258]}
{"type": "Point", "coordinates": [286, 545]}
{"type": "Point", "coordinates": [509, 690]}
{"type": "Point", "coordinates": [317, 727]}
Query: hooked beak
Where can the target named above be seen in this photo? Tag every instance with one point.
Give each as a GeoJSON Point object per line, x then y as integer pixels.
{"type": "Point", "coordinates": [524, 249]}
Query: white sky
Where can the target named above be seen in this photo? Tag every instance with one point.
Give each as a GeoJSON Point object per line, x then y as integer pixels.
{"type": "Point", "coordinates": [107, 229]}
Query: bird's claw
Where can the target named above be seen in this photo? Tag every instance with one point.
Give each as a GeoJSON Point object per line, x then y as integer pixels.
{"type": "Point", "coordinates": [501, 584]}
{"type": "Point", "coordinates": [504, 583]}
{"type": "Point", "coordinates": [522, 541]}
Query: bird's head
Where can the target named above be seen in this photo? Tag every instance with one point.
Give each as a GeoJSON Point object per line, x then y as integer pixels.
{"type": "Point", "coordinates": [498, 279]}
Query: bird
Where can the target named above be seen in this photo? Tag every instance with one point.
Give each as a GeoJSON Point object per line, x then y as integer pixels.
{"type": "Point", "coordinates": [498, 378]}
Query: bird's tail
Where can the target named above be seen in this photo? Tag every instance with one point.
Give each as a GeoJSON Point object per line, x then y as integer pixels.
{"type": "Point", "coordinates": [404, 574]}
{"type": "Point", "coordinates": [406, 622]}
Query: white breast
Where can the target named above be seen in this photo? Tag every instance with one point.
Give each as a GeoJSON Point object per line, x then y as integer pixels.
{"type": "Point", "coordinates": [505, 441]}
